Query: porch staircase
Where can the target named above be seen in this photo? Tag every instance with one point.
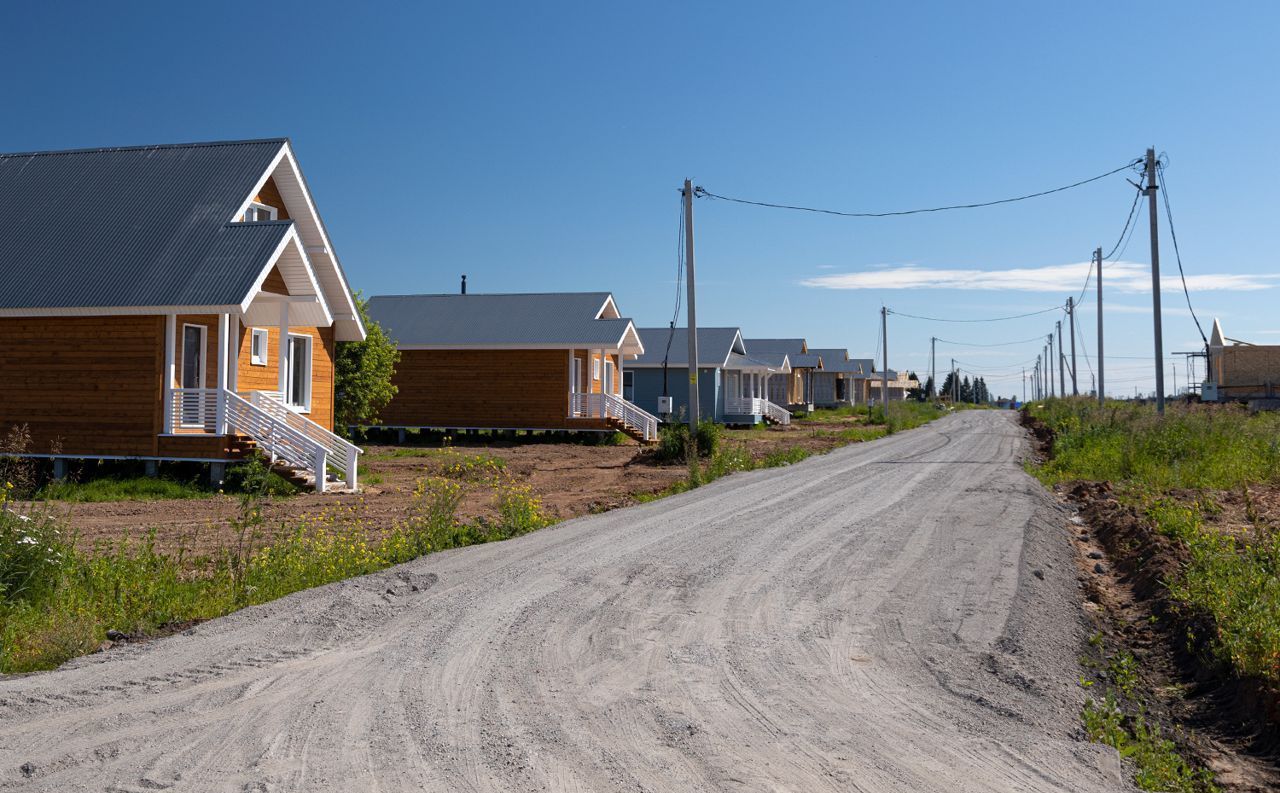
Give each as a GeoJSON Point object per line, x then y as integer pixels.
{"type": "Point", "coordinates": [616, 413]}
{"type": "Point", "coordinates": [757, 406]}
{"type": "Point", "coordinates": [299, 448]}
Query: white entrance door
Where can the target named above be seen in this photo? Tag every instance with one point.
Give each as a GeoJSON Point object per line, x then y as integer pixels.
{"type": "Point", "coordinates": [608, 375]}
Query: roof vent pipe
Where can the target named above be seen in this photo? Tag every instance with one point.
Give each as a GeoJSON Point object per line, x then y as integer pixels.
{"type": "Point", "coordinates": [464, 284]}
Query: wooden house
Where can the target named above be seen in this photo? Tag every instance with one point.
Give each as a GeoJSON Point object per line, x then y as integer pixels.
{"type": "Point", "coordinates": [795, 391]}
{"type": "Point", "coordinates": [554, 361]}
{"type": "Point", "coordinates": [833, 381]}
{"type": "Point", "coordinates": [178, 302]}
{"type": "Point", "coordinates": [859, 373]}
{"type": "Point", "coordinates": [733, 385]}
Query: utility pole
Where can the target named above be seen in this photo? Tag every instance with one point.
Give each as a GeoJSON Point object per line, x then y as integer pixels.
{"type": "Point", "coordinates": [884, 369]}
{"type": "Point", "coordinates": [693, 316]}
{"type": "Point", "coordinates": [1062, 363]}
{"type": "Point", "coordinates": [933, 368]}
{"type": "Point", "coordinates": [955, 383]}
{"type": "Point", "coordinates": [1048, 364]}
{"type": "Point", "coordinates": [1071, 315]}
{"type": "Point", "coordinates": [1024, 384]}
{"type": "Point", "coordinates": [1155, 278]}
{"type": "Point", "coordinates": [1097, 258]}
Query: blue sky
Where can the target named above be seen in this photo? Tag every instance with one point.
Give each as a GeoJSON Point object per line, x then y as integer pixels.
{"type": "Point", "coordinates": [540, 147]}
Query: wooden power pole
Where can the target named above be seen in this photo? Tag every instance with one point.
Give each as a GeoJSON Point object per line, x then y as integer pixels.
{"type": "Point", "coordinates": [693, 316]}
{"type": "Point", "coordinates": [1101, 388]}
{"type": "Point", "coordinates": [1155, 278]}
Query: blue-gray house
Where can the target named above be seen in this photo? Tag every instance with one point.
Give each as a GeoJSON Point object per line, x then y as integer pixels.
{"type": "Point", "coordinates": [733, 387]}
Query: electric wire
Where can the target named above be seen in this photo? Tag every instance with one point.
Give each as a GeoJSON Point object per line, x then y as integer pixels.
{"type": "Point", "coordinates": [1177, 254]}
{"type": "Point", "coordinates": [675, 315]}
{"type": "Point", "coordinates": [702, 192]}
{"type": "Point", "coordinates": [991, 319]}
{"type": "Point", "coordinates": [998, 344]}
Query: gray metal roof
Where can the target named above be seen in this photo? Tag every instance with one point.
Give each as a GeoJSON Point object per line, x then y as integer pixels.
{"type": "Point", "coordinates": [553, 319]}
{"type": "Point", "coordinates": [830, 354]}
{"type": "Point", "coordinates": [774, 359]}
{"type": "Point", "coordinates": [868, 365]}
{"type": "Point", "coordinates": [846, 367]}
{"type": "Point", "coordinates": [132, 227]}
{"type": "Point", "coordinates": [805, 361]}
{"type": "Point", "coordinates": [714, 346]}
{"type": "Point", "coordinates": [789, 346]}
{"type": "Point", "coordinates": [736, 361]}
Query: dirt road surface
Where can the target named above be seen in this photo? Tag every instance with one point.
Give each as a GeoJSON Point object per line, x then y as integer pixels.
{"type": "Point", "coordinates": [869, 620]}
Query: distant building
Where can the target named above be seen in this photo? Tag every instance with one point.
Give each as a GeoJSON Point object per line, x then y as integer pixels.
{"type": "Point", "coordinates": [1239, 370]}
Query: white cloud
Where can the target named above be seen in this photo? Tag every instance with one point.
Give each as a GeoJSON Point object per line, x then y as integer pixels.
{"type": "Point", "coordinates": [1123, 277]}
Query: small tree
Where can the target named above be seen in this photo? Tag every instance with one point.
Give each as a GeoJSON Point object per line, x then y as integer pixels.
{"type": "Point", "coordinates": [362, 374]}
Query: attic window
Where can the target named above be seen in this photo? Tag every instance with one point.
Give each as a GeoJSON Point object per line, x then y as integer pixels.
{"type": "Point", "coordinates": [258, 212]}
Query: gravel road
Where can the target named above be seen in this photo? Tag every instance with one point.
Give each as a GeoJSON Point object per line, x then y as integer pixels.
{"type": "Point", "coordinates": [869, 620]}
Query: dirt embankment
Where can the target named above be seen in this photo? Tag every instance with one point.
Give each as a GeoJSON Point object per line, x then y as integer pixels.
{"type": "Point", "coordinates": [1233, 723]}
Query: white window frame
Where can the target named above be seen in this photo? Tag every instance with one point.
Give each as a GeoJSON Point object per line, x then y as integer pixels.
{"type": "Point", "coordinates": [262, 355]}
{"type": "Point", "coordinates": [610, 376]}
{"type": "Point", "coordinates": [288, 378]}
{"type": "Point", "coordinates": [595, 368]}
{"type": "Point", "coordinates": [272, 212]}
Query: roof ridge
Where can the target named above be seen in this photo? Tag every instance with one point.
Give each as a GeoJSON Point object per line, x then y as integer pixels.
{"type": "Point", "coordinates": [491, 294]}
{"type": "Point", "coordinates": [144, 147]}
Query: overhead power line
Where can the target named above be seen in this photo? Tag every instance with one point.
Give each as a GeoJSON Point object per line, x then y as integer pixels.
{"type": "Point", "coordinates": [702, 192]}
{"type": "Point", "coordinates": [997, 344]}
{"type": "Point", "coordinates": [1164, 190]}
{"type": "Point", "coordinates": [990, 319]}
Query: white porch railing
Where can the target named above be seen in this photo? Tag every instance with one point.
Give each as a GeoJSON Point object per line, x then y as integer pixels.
{"type": "Point", "coordinates": [343, 455]}
{"type": "Point", "coordinates": [612, 406]}
{"type": "Point", "coordinates": [194, 409]}
{"type": "Point", "coordinates": [756, 406]}
{"type": "Point", "coordinates": [279, 432]}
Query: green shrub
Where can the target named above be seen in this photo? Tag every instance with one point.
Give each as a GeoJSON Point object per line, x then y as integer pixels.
{"type": "Point", "coordinates": [673, 440]}
{"type": "Point", "coordinates": [255, 476]}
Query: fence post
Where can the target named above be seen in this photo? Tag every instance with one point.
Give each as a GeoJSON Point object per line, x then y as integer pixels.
{"type": "Point", "coordinates": [352, 457]}
{"type": "Point", "coordinates": [322, 468]}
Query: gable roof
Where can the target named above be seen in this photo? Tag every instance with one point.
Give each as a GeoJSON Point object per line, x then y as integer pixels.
{"type": "Point", "coordinates": [512, 321]}
{"type": "Point", "coordinates": [141, 229]}
{"type": "Point", "coordinates": [853, 367]}
{"type": "Point", "coordinates": [806, 361]}
{"type": "Point", "coordinates": [131, 226]}
{"type": "Point", "coordinates": [791, 347]}
{"type": "Point", "coordinates": [830, 355]}
{"type": "Point", "coordinates": [714, 346]}
{"type": "Point", "coordinates": [866, 365]}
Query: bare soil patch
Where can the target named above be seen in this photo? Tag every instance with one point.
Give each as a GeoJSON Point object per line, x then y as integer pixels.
{"type": "Point", "coordinates": [571, 479]}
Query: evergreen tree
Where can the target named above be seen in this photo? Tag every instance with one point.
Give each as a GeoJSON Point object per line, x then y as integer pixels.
{"type": "Point", "coordinates": [948, 386]}
{"type": "Point", "coordinates": [966, 390]}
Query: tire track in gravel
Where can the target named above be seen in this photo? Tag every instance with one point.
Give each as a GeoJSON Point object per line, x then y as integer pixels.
{"type": "Point", "coordinates": [866, 620]}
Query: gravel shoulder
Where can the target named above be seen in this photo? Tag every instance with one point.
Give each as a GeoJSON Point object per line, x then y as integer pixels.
{"type": "Point", "coordinates": [871, 619]}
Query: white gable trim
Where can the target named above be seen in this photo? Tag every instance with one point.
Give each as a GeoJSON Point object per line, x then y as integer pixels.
{"type": "Point", "coordinates": [608, 305]}
{"type": "Point", "coordinates": [307, 223]}
{"type": "Point", "coordinates": [289, 238]}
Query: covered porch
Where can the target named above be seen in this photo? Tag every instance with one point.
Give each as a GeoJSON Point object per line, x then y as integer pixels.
{"type": "Point", "coordinates": [746, 391]}
{"type": "Point", "coordinates": [258, 376]}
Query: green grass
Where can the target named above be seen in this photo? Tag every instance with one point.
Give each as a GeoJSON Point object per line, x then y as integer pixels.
{"type": "Point", "coordinates": [58, 601]}
{"type": "Point", "coordinates": [1170, 468]}
{"type": "Point", "coordinates": [137, 488]}
{"type": "Point", "coordinates": [1157, 763]}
